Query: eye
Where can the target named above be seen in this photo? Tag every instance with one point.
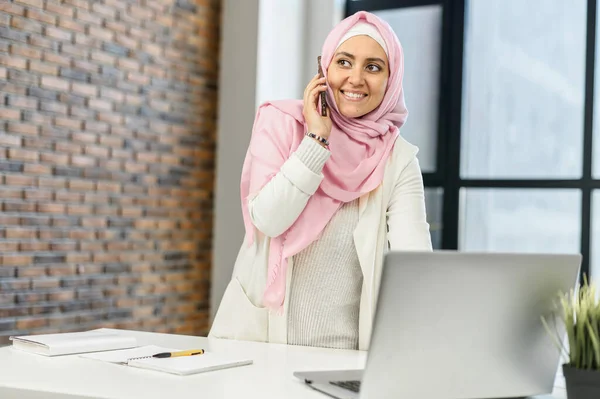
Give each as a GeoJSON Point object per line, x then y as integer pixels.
{"type": "Point", "coordinates": [343, 63]}
{"type": "Point", "coordinates": [373, 68]}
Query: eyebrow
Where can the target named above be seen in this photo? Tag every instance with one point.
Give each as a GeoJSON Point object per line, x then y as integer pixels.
{"type": "Point", "coordinates": [352, 57]}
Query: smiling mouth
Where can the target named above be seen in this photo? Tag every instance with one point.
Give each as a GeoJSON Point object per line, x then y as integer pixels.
{"type": "Point", "coordinates": [353, 96]}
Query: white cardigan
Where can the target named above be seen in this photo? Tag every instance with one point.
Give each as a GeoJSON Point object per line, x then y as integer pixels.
{"type": "Point", "coordinates": [391, 216]}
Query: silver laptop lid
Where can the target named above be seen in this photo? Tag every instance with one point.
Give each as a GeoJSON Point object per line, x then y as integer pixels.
{"type": "Point", "coordinates": [465, 325]}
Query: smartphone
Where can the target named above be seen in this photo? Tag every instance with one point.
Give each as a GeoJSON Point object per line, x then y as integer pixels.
{"type": "Point", "coordinates": [323, 94]}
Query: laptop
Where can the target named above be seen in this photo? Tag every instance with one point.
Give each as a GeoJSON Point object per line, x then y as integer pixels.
{"type": "Point", "coordinates": [459, 325]}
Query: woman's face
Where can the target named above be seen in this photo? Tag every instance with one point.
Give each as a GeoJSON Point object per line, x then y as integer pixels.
{"type": "Point", "coordinates": [358, 75]}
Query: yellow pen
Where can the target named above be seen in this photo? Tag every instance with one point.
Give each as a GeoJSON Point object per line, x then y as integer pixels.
{"type": "Point", "coordinates": [190, 352]}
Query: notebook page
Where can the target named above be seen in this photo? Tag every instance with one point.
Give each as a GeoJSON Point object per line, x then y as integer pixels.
{"type": "Point", "coordinates": [185, 365]}
{"type": "Point", "coordinates": [123, 355]}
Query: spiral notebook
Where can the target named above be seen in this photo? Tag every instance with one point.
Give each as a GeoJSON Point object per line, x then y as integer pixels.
{"type": "Point", "coordinates": [185, 365]}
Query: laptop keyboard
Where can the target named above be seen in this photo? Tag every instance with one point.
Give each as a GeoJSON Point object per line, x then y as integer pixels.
{"type": "Point", "coordinates": [353, 386]}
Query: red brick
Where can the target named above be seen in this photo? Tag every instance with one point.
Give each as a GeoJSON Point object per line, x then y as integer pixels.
{"type": "Point", "coordinates": [101, 33]}
{"type": "Point", "coordinates": [108, 186]}
{"type": "Point", "coordinates": [61, 296]}
{"type": "Point", "coordinates": [96, 198]}
{"type": "Point", "coordinates": [16, 260]}
{"type": "Point", "coordinates": [28, 324]}
{"type": "Point", "coordinates": [68, 147]}
{"type": "Point", "coordinates": [9, 220]}
{"type": "Point", "coordinates": [13, 62]}
{"type": "Point", "coordinates": [88, 17]}
{"type": "Point", "coordinates": [11, 8]}
{"type": "Point", "coordinates": [50, 282]}
{"type": "Point", "coordinates": [73, 209]}
{"type": "Point", "coordinates": [8, 246]}
{"type": "Point", "coordinates": [133, 167]}
{"type": "Point", "coordinates": [59, 34]}
{"type": "Point", "coordinates": [129, 64]}
{"type": "Point", "coordinates": [6, 113]}
{"type": "Point", "coordinates": [127, 41]}
{"type": "Point", "coordinates": [72, 25]}
{"type": "Point", "coordinates": [83, 185]}
{"type": "Point", "coordinates": [50, 82]}
{"type": "Point", "coordinates": [138, 78]}
{"type": "Point", "coordinates": [85, 66]}
{"type": "Point", "coordinates": [96, 151]}
{"type": "Point", "coordinates": [43, 68]}
{"type": "Point", "coordinates": [18, 207]}
{"type": "Point", "coordinates": [58, 59]}
{"type": "Point", "coordinates": [55, 7]}
{"type": "Point", "coordinates": [67, 196]}
{"type": "Point", "coordinates": [41, 41]}
{"type": "Point", "coordinates": [35, 3]}
{"type": "Point", "coordinates": [81, 235]}
{"type": "Point", "coordinates": [10, 140]}
{"type": "Point", "coordinates": [39, 195]}
{"type": "Point", "coordinates": [141, 13]}
{"type": "Point", "coordinates": [105, 11]}
{"type": "Point", "coordinates": [54, 158]}
{"type": "Point", "coordinates": [68, 123]}
{"type": "Point", "coordinates": [105, 58]}
{"type": "Point", "coordinates": [87, 138]}
{"type": "Point", "coordinates": [23, 155]}
{"type": "Point", "coordinates": [32, 246]}
{"type": "Point", "coordinates": [62, 270]}
{"type": "Point", "coordinates": [52, 182]}
{"type": "Point", "coordinates": [75, 51]}
{"type": "Point", "coordinates": [84, 89]}
{"type": "Point", "coordinates": [51, 208]}
{"type": "Point", "coordinates": [62, 246]}
{"type": "Point", "coordinates": [82, 161]}
{"type": "Point", "coordinates": [26, 52]}
{"type": "Point", "coordinates": [91, 246]}
{"type": "Point", "coordinates": [23, 128]}
{"type": "Point", "coordinates": [96, 127]}
{"type": "Point", "coordinates": [115, 95]}
{"type": "Point", "coordinates": [19, 180]}
{"type": "Point", "coordinates": [15, 193]}
{"type": "Point", "coordinates": [83, 4]}
{"type": "Point", "coordinates": [37, 169]}
{"type": "Point", "coordinates": [23, 102]}
{"type": "Point", "coordinates": [26, 25]}
{"type": "Point", "coordinates": [39, 15]}
{"type": "Point", "coordinates": [101, 105]}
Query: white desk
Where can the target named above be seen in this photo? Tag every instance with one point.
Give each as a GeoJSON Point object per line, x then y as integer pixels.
{"type": "Point", "coordinates": [28, 376]}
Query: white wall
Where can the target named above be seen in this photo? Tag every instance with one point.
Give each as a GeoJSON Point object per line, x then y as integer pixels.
{"type": "Point", "coordinates": [291, 34]}
{"type": "Point", "coordinates": [237, 87]}
{"type": "Point", "coordinates": [269, 51]}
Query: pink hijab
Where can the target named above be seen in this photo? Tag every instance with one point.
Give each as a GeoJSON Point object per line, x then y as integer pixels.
{"type": "Point", "coordinates": [359, 150]}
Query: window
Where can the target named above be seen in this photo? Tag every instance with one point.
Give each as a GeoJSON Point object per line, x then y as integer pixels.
{"type": "Point", "coordinates": [508, 164]}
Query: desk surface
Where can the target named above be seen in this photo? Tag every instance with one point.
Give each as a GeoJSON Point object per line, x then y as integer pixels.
{"type": "Point", "coordinates": [28, 376]}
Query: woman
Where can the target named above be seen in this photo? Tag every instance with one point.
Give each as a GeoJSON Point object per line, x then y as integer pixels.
{"type": "Point", "coordinates": [324, 196]}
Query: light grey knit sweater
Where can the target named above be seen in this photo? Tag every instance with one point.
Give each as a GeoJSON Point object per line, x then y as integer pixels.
{"type": "Point", "coordinates": [324, 297]}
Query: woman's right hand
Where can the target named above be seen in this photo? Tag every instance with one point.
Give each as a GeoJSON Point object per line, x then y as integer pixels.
{"type": "Point", "coordinates": [317, 124]}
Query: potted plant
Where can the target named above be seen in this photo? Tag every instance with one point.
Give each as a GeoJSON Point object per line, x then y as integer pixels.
{"type": "Point", "coordinates": [580, 314]}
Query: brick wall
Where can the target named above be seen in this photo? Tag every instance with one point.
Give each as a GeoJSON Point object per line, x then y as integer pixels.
{"type": "Point", "coordinates": [107, 136]}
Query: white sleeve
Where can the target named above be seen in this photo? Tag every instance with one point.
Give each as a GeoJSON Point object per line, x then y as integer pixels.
{"type": "Point", "coordinates": [406, 218]}
{"type": "Point", "coordinates": [279, 203]}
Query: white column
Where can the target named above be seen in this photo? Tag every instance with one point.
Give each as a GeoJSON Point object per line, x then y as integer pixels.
{"type": "Point", "coordinates": [237, 88]}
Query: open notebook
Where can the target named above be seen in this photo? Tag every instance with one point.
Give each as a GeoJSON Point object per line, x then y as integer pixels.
{"type": "Point", "coordinates": [71, 343]}
{"type": "Point", "coordinates": [185, 365]}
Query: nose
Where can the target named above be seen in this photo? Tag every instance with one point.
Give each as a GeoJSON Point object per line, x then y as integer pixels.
{"type": "Point", "coordinates": [356, 77]}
